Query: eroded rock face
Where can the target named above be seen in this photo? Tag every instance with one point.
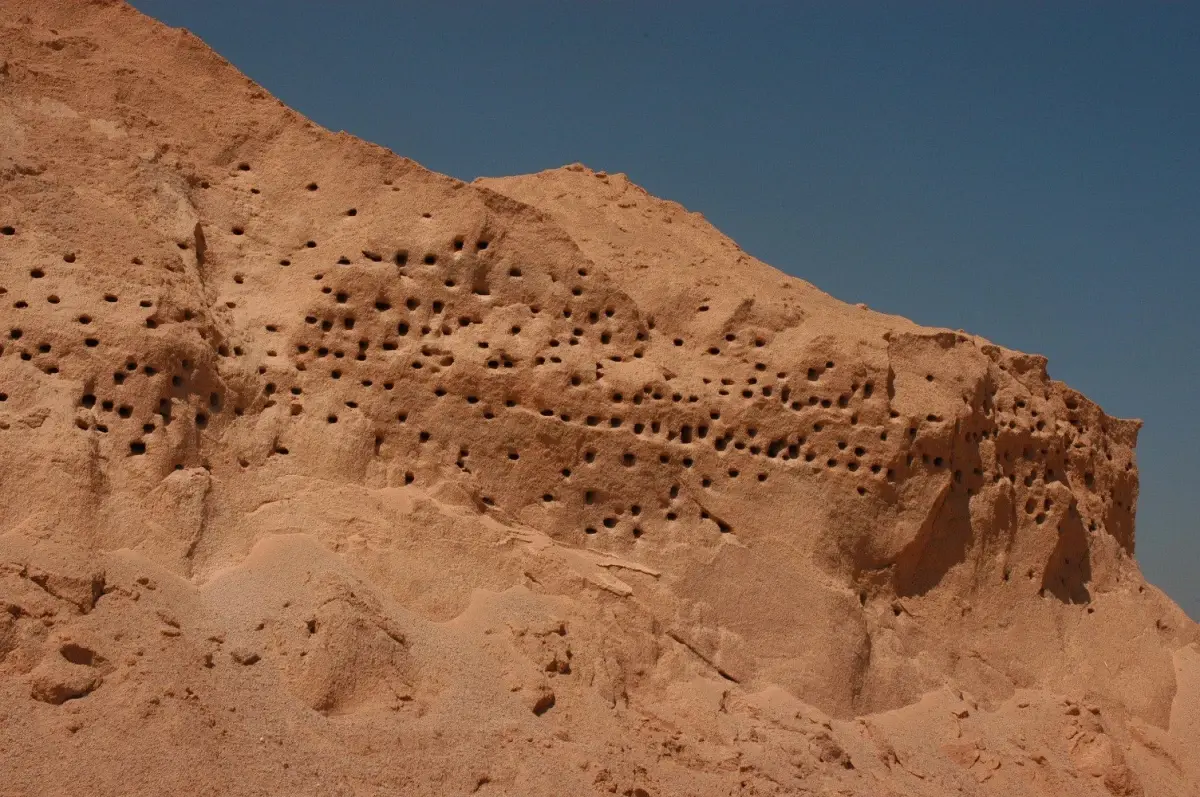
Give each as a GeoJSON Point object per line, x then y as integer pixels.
{"type": "Point", "coordinates": [356, 472]}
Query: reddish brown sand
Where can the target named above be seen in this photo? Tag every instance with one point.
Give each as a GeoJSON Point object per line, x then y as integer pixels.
{"type": "Point", "coordinates": [326, 474]}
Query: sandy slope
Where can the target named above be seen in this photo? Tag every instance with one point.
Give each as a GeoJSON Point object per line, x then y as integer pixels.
{"type": "Point", "coordinates": [327, 474]}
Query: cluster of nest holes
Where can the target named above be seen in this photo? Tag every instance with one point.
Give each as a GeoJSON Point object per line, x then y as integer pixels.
{"type": "Point", "coordinates": [113, 406]}
{"type": "Point", "coordinates": [398, 330]}
{"type": "Point", "coordinates": [852, 458]}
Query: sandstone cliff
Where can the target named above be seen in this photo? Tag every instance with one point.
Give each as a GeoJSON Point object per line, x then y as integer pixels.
{"type": "Point", "coordinates": [329, 474]}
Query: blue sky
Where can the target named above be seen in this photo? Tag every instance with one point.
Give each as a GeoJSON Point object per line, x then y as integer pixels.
{"type": "Point", "coordinates": [1028, 172]}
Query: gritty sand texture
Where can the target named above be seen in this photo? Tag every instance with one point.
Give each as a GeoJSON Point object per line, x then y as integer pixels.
{"type": "Point", "coordinates": [327, 474]}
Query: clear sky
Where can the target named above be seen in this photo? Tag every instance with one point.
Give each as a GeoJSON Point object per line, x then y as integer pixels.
{"type": "Point", "coordinates": [1029, 172]}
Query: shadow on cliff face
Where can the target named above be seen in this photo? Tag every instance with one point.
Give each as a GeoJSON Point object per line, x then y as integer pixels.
{"type": "Point", "coordinates": [1069, 568]}
{"type": "Point", "coordinates": [923, 566]}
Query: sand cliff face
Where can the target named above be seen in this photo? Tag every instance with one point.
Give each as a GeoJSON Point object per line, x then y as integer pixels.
{"type": "Point", "coordinates": [326, 473]}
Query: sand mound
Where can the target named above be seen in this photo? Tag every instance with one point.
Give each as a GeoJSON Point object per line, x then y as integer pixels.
{"type": "Point", "coordinates": [327, 474]}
